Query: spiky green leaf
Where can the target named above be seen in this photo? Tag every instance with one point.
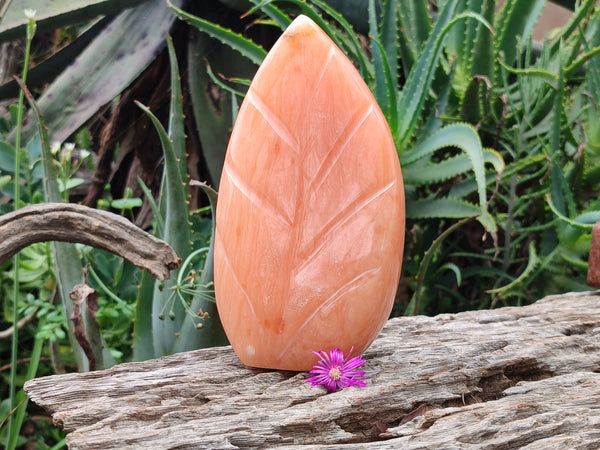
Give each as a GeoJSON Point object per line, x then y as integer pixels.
{"type": "Point", "coordinates": [245, 46]}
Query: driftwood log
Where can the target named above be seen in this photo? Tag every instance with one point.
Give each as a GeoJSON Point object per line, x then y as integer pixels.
{"type": "Point", "coordinates": [68, 222]}
{"type": "Point", "coordinates": [507, 378]}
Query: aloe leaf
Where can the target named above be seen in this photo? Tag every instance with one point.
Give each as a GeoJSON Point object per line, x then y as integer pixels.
{"type": "Point", "coordinates": [545, 75]}
{"type": "Point", "coordinates": [390, 97]}
{"type": "Point", "coordinates": [417, 85]}
{"type": "Point", "coordinates": [105, 68]}
{"type": "Point", "coordinates": [468, 186]}
{"type": "Point", "coordinates": [143, 342]}
{"type": "Point", "coordinates": [356, 49]}
{"type": "Point", "coordinates": [67, 263]}
{"type": "Point", "coordinates": [278, 16]}
{"type": "Point", "coordinates": [211, 333]}
{"type": "Point", "coordinates": [476, 101]}
{"type": "Point", "coordinates": [50, 68]}
{"type": "Point", "coordinates": [245, 46]}
{"type": "Point", "coordinates": [57, 13]}
{"type": "Point", "coordinates": [452, 268]}
{"type": "Point", "coordinates": [389, 36]}
{"type": "Point", "coordinates": [483, 51]}
{"type": "Point", "coordinates": [176, 117]}
{"type": "Point", "coordinates": [158, 219]}
{"type": "Point", "coordinates": [416, 89]}
{"type": "Point", "coordinates": [218, 81]}
{"type": "Point", "coordinates": [177, 234]}
{"type": "Point", "coordinates": [462, 136]}
{"type": "Point", "coordinates": [176, 221]}
{"type": "Point", "coordinates": [582, 10]}
{"type": "Point", "coordinates": [67, 260]}
{"type": "Point", "coordinates": [212, 117]}
{"type": "Point", "coordinates": [308, 11]}
{"type": "Point", "coordinates": [414, 27]}
{"type": "Point", "coordinates": [580, 62]}
{"type": "Point", "coordinates": [592, 84]}
{"type": "Point", "coordinates": [354, 11]}
{"type": "Point", "coordinates": [470, 43]}
{"type": "Point", "coordinates": [385, 84]}
{"type": "Point", "coordinates": [451, 208]}
{"type": "Point", "coordinates": [561, 192]}
{"type": "Point", "coordinates": [532, 262]}
{"type": "Point", "coordinates": [449, 168]}
{"type": "Point", "coordinates": [583, 221]}
{"type": "Point", "coordinates": [515, 20]}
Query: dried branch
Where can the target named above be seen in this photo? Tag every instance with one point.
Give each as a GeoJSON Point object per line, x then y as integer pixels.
{"type": "Point", "coordinates": [68, 222]}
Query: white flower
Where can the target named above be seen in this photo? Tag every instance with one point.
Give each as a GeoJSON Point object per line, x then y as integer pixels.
{"type": "Point", "coordinates": [29, 13]}
{"type": "Point", "coordinates": [55, 147]}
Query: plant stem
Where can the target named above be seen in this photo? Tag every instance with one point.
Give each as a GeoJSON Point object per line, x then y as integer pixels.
{"type": "Point", "coordinates": [15, 337]}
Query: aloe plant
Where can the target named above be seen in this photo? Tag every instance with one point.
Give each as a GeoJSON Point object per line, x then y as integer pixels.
{"type": "Point", "coordinates": [118, 52]}
{"type": "Point", "coordinates": [172, 327]}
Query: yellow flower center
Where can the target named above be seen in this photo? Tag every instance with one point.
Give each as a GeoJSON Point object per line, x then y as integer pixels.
{"type": "Point", "coordinates": [335, 373]}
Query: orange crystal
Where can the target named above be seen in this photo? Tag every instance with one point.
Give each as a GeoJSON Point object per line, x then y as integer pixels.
{"type": "Point", "coordinates": [310, 215]}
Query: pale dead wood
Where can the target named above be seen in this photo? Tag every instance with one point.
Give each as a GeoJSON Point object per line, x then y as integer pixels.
{"type": "Point", "coordinates": [85, 324]}
{"type": "Point", "coordinates": [500, 379]}
{"type": "Point", "coordinates": [68, 222]}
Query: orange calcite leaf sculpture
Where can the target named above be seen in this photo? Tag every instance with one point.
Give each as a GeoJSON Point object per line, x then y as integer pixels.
{"type": "Point", "coordinates": [310, 215]}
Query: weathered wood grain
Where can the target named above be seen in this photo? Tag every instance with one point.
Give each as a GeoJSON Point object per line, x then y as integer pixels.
{"type": "Point", "coordinates": [68, 222]}
{"type": "Point", "coordinates": [507, 378]}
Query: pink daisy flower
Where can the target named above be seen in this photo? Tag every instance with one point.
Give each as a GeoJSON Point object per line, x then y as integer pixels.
{"type": "Point", "coordinates": [336, 372]}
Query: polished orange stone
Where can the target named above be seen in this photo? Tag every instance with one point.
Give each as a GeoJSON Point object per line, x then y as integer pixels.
{"type": "Point", "coordinates": [310, 215]}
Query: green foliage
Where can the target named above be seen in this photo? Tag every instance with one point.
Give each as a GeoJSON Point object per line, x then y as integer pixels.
{"type": "Point", "coordinates": [173, 327]}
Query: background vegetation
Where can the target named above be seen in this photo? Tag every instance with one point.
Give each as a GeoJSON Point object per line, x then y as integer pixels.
{"type": "Point", "coordinates": [498, 136]}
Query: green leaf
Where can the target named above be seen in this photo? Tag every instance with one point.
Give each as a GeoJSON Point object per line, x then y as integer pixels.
{"type": "Point", "coordinates": [308, 11]}
{"type": "Point", "coordinates": [212, 333]}
{"type": "Point", "coordinates": [70, 184]}
{"type": "Point", "coordinates": [462, 136]}
{"type": "Point", "coordinates": [514, 24]}
{"type": "Point", "coordinates": [7, 157]}
{"type": "Point", "coordinates": [176, 116]}
{"type": "Point", "coordinates": [143, 342]}
{"type": "Point", "coordinates": [67, 260]}
{"type": "Point", "coordinates": [416, 89]}
{"type": "Point", "coordinates": [46, 71]}
{"type": "Point", "coordinates": [4, 180]}
{"type": "Point", "coordinates": [449, 168]}
{"type": "Point", "coordinates": [105, 68]}
{"type": "Point", "coordinates": [245, 46]}
{"type": "Point", "coordinates": [389, 36]}
{"type": "Point", "coordinates": [57, 13]}
{"type": "Point", "coordinates": [532, 261]}
{"type": "Point", "coordinates": [583, 221]}
{"type": "Point", "coordinates": [470, 45]}
{"type": "Point", "coordinates": [274, 13]}
{"type": "Point", "coordinates": [126, 203]}
{"type": "Point", "coordinates": [176, 221]}
{"type": "Point", "coordinates": [441, 208]}
{"type": "Point", "coordinates": [415, 27]}
{"type": "Point", "coordinates": [356, 49]}
{"type": "Point", "coordinates": [212, 116]}
{"type": "Point", "coordinates": [385, 84]}
{"type": "Point", "coordinates": [159, 221]}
